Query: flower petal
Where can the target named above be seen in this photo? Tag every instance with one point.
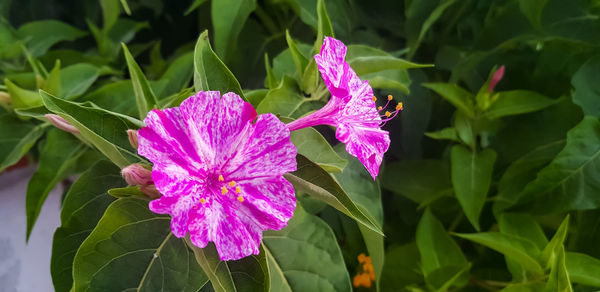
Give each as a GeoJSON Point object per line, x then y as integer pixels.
{"type": "Point", "coordinates": [214, 123]}
{"type": "Point", "coordinates": [335, 71]}
{"type": "Point", "coordinates": [366, 143]}
{"type": "Point", "coordinates": [269, 202]}
{"type": "Point", "coordinates": [265, 151]}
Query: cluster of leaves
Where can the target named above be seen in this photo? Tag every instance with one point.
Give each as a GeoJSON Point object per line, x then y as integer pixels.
{"type": "Point", "coordinates": [482, 190]}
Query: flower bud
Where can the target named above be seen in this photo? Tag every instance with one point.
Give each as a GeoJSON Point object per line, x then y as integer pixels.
{"type": "Point", "coordinates": [135, 174]}
{"type": "Point", "coordinates": [5, 98]}
{"type": "Point", "coordinates": [496, 78]}
{"type": "Point", "coordinates": [150, 191]}
{"type": "Point", "coordinates": [133, 140]}
{"type": "Point", "coordinates": [61, 123]}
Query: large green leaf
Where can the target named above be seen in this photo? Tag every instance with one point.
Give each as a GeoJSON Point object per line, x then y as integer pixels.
{"type": "Point", "coordinates": [41, 35]}
{"type": "Point", "coordinates": [16, 138]}
{"type": "Point", "coordinates": [106, 130]}
{"type": "Point", "coordinates": [210, 73]}
{"type": "Point", "coordinates": [22, 98]}
{"type": "Point", "coordinates": [400, 270]}
{"type": "Point", "coordinates": [133, 249]}
{"type": "Point", "coordinates": [572, 180]}
{"type": "Point", "coordinates": [583, 269]}
{"type": "Point", "coordinates": [558, 281]}
{"type": "Point", "coordinates": [57, 157]}
{"type": "Point", "coordinates": [287, 100]}
{"type": "Point", "coordinates": [441, 257]}
{"type": "Point", "coordinates": [517, 102]}
{"type": "Point", "coordinates": [116, 97]}
{"type": "Point", "coordinates": [177, 75]}
{"type": "Point", "coordinates": [144, 96]}
{"type": "Point", "coordinates": [228, 18]}
{"type": "Point", "coordinates": [456, 95]}
{"type": "Point", "coordinates": [248, 274]}
{"type": "Point", "coordinates": [315, 181]}
{"type": "Point", "coordinates": [471, 178]}
{"type": "Point", "coordinates": [520, 250]}
{"type": "Point", "coordinates": [82, 208]}
{"type": "Point", "coordinates": [365, 192]}
{"type": "Point", "coordinates": [76, 79]}
{"type": "Point", "coordinates": [316, 263]}
{"type": "Point", "coordinates": [313, 146]}
{"type": "Point", "coordinates": [421, 181]}
{"type": "Point", "coordinates": [413, 43]}
{"type": "Point", "coordinates": [587, 90]}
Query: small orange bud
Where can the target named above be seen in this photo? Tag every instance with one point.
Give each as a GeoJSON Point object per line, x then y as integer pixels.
{"type": "Point", "coordinates": [390, 97]}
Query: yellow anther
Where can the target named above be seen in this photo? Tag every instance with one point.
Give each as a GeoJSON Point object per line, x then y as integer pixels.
{"type": "Point", "coordinates": [221, 178]}
{"type": "Point", "coordinates": [202, 201]}
{"type": "Point", "coordinates": [224, 190]}
{"type": "Point", "coordinates": [240, 198]}
{"type": "Point", "coordinates": [238, 190]}
{"type": "Point", "coordinates": [388, 114]}
{"type": "Point", "coordinates": [399, 106]}
{"type": "Point", "coordinates": [374, 98]}
{"type": "Point", "coordinates": [232, 183]}
{"type": "Point", "coordinates": [379, 108]}
{"type": "Point", "coordinates": [390, 97]}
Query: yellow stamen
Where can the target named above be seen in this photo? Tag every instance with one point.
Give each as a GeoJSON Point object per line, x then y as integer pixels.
{"type": "Point", "coordinates": [390, 97]}
{"type": "Point", "coordinates": [224, 190]}
{"type": "Point", "coordinates": [221, 178]}
{"type": "Point", "coordinates": [202, 201]}
{"type": "Point", "coordinates": [399, 106]}
{"type": "Point", "coordinates": [232, 183]}
{"type": "Point", "coordinates": [388, 114]}
{"type": "Point", "coordinates": [240, 198]}
{"type": "Point", "coordinates": [374, 98]}
{"type": "Point", "coordinates": [379, 108]}
{"type": "Point", "coordinates": [238, 190]}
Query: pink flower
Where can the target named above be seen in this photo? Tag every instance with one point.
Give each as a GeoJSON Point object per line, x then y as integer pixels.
{"type": "Point", "coordinates": [136, 174]}
{"type": "Point", "coordinates": [351, 109]}
{"type": "Point", "coordinates": [496, 78]}
{"type": "Point", "coordinates": [219, 173]}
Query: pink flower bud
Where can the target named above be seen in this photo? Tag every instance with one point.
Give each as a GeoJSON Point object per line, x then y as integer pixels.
{"type": "Point", "coordinates": [496, 78]}
{"type": "Point", "coordinates": [133, 140]}
{"type": "Point", "coordinates": [136, 174]}
{"type": "Point", "coordinates": [61, 123]}
{"type": "Point", "coordinates": [150, 191]}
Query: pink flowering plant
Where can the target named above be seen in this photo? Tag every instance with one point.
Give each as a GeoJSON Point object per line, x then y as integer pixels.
{"type": "Point", "coordinates": [264, 157]}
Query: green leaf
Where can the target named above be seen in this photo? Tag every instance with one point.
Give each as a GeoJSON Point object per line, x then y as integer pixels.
{"type": "Point", "coordinates": [515, 248]}
{"type": "Point", "coordinates": [524, 287]}
{"type": "Point", "coordinates": [444, 134]}
{"type": "Point", "coordinates": [552, 251]}
{"type": "Point", "coordinates": [518, 102]}
{"type": "Point", "coordinates": [248, 274]}
{"type": "Point", "coordinates": [583, 269]}
{"type": "Point", "coordinates": [522, 171]}
{"type": "Point", "coordinates": [400, 270]}
{"type": "Point", "coordinates": [57, 157]}
{"type": "Point", "coordinates": [324, 27]}
{"type": "Point", "coordinates": [299, 59]}
{"type": "Point", "coordinates": [107, 131]}
{"type": "Point", "coordinates": [41, 35]}
{"type": "Point", "coordinates": [82, 208]}
{"type": "Point", "coordinates": [115, 96]}
{"type": "Point", "coordinates": [571, 181]}
{"type": "Point", "coordinates": [77, 79]}
{"type": "Point", "coordinates": [128, 192]}
{"type": "Point", "coordinates": [587, 91]}
{"type": "Point", "coordinates": [471, 179]}
{"type": "Point", "coordinates": [315, 181]}
{"type": "Point", "coordinates": [371, 64]}
{"type": "Point", "coordinates": [524, 226]}
{"type": "Point", "coordinates": [153, 259]}
{"type": "Point", "coordinates": [210, 73]}
{"type": "Point", "coordinates": [16, 138]}
{"type": "Point", "coordinates": [52, 83]}
{"type": "Point", "coordinates": [193, 6]}
{"type": "Point", "coordinates": [441, 257]}
{"type": "Point", "coordinates": [144, 96]}
{"type": "Point", "coordinates": [456, 95]}
{"type": "Point", "coordinates": [533, 9]}
{"type": "Point", "coordinates": [22, 98]}
{"type": "Point", "coordinates": [313, 146]}
{"type": "Point", "coordinates": [316, 263]}
{"type": "Point", "coordinates": [287, 100]}
{"type": "Point", "coordinates": [178, 75]}
{"type": "Point", "coordinates": [228, 18]}
{"type": "Point", "coordinates": [419, 180]}
{"type": "Point", "coordinates": [431, 19]}
{"type": "Point", "coordinates": [110, 12]}
{"type": "Point", "coordinates": [558, 281]}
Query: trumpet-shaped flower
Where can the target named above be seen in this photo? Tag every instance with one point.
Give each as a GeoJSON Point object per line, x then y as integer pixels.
{"type": "Point", "coordinates": [220, 173]}
{"type": "Point", "coordinates": [351, 109]}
